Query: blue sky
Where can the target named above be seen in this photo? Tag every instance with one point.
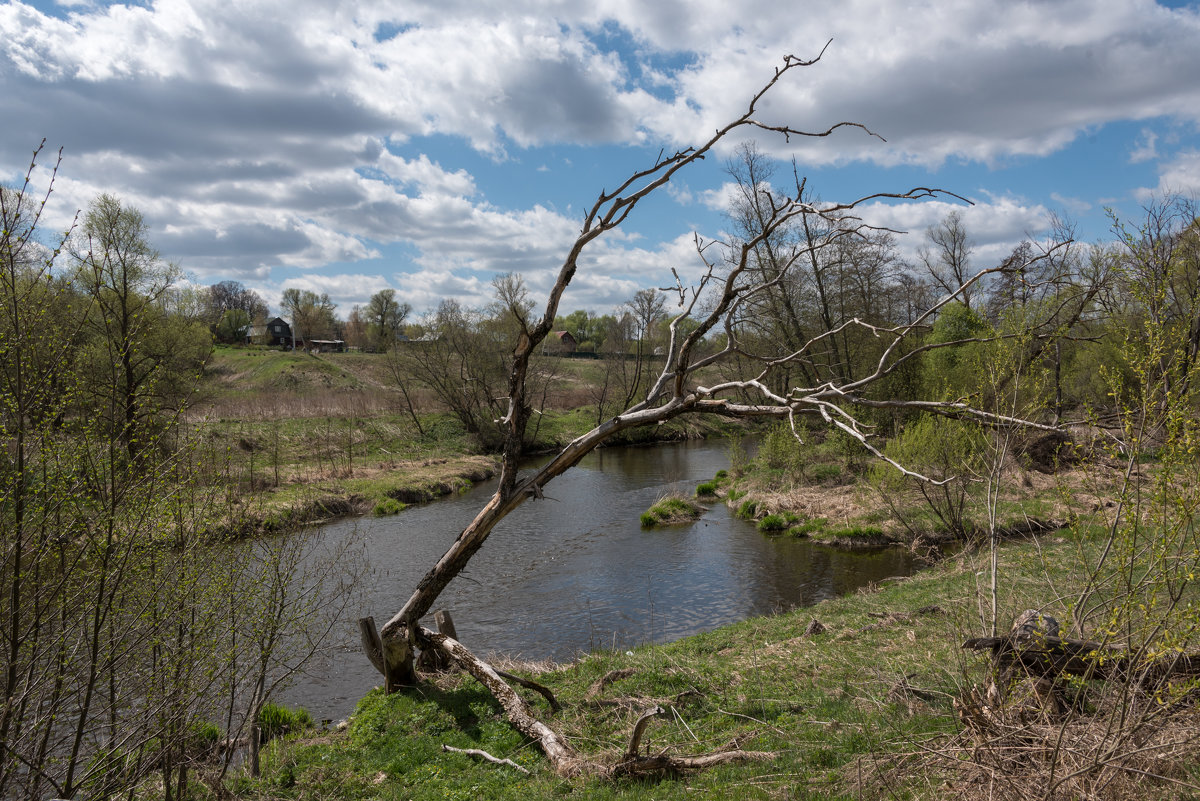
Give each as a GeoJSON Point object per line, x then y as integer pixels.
{"type": "Point", "coordinates": [426, 146]}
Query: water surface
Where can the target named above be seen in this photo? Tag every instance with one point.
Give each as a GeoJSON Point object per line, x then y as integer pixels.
{"type": "Point", "coordinates": [576, 571]}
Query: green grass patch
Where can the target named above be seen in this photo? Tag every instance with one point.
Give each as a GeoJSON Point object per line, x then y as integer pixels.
{"type": "Point", "coordinates": [747, 510]}
{"type": "Point", "coordinates": [275, 720]}
{"type": "Point", "coordinates": [387, 507]}
{"type": "Point", "coordinates": [777, 522]}
{"type": "Point", "coordinates": [671, 510]}
{"type": "Point", "coordinates": [808, 528]}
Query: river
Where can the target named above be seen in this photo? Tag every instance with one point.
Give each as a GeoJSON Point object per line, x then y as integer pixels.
{"type": "Point", "coordinates": [576, 571]}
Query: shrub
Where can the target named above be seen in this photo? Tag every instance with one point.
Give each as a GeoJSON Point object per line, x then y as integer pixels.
{"type": "Point", "coordinates": [780, 450]}
{"type": "Point", "coordinates": [940, 449]}
{"type": "Point", "coordinates": [707, 489]}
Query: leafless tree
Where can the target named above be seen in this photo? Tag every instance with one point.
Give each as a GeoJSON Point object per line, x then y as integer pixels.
{"type": "Point", "coordinates": [947, 256]}
{"type": "Point", "coordinates": [730, 283]}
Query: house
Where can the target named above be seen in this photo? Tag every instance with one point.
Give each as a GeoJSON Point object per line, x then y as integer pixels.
{"type": "Point", "coordinates": [560, 342]}
{"type": "Point", "coordinates": [279, 333]}
{"type": "Point", "coordinates": [327, 345]}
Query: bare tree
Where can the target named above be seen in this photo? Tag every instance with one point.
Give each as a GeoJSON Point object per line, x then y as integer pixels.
{"type": "Point", "coordinates": [728, 286]}
{"type": "Point", "coordinates": [947, 256]}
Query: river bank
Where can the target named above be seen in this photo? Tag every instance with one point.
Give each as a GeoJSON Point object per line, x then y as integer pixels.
{"type": "Point", "coordinates": [292, 439]}
{"type": "Point", "coordinates": [860, 704]}
{"type": "Point", "coordinates": [318, 488]}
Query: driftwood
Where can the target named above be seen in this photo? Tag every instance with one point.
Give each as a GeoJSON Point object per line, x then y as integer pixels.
{"type": "Point", "coordinates": [563, 757]}
{"type": "Point", "coordinates": [608, 678]}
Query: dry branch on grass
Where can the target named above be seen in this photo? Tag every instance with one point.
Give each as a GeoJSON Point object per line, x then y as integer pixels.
{"type": "Point", "coordinates": [563, 757]}
{"type": "Point", "coordinates": [484, 755]}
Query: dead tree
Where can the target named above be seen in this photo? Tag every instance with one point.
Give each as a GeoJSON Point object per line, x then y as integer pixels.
{"type": "Point", "coordinates": [728, 288]}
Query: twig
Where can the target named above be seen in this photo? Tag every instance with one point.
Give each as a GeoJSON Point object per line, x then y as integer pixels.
{"type": "Point", "coordinates": [475, 752]}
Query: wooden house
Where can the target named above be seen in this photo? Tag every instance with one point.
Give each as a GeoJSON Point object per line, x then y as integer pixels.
{"type": "Point", "coordinates": [560, 342]}
{"type": "Point", "coordinates": [279, 334]}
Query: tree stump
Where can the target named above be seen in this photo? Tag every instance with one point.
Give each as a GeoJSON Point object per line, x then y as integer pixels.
{"type": "Point", "coordinates": [431, 659]}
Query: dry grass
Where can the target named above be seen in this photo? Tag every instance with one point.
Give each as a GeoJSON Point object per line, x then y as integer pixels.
{"type": "Point", "coordinates": [1019, 752]}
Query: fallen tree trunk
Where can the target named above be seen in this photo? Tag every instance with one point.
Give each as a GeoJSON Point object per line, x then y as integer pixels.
{"type": "Point", "coordinates": [563, 758]}
{"type": "Point", "coordinates": [1048, 657]}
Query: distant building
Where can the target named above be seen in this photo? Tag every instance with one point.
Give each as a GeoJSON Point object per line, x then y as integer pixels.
{"type": "Point", "coordinates": [256, 333]}
{"type": "Point", "coordinates": [560, 342]}
{"type": "Point", "coordinates": [279, 333]}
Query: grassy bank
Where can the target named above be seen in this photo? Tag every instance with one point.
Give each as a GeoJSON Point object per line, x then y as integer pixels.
{"type": "Point", "coordinates": [860, 706]}
{"type": "Point", "coordinates": [828, 490]}
{"type": "Point", "coordinates": [296, 438]}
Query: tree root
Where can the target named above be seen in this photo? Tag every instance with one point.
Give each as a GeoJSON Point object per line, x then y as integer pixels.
{"type": "Point", "coordinates": [563, 758]}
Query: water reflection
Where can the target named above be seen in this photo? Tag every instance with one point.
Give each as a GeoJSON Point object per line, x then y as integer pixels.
{"type": "Point", "coordinates": [576, 571]}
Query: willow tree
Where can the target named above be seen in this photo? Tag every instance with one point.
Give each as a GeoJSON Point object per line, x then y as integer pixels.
{"type": "Point", "coordinates": [731, 287]}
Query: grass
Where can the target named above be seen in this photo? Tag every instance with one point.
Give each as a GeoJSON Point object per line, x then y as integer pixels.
{"type": "Point", "coordinates": [671, 510]}
{"type": "Point", "coordinates": [836, 708]}
{"type": "Point", "coordinates": [777, 522]}
{"type": "Point", "coordinates": [276, 720]}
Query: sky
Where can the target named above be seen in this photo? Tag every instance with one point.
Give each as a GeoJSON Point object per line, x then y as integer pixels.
{"type": "Point", "coordinates": [350, 147]}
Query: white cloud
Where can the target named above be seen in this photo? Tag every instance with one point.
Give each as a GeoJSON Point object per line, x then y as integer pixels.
{"type": "Point", "coordinates": [1180, 176]}
{"type": "Point", "coordinates": [253, 134]}
{"type": "Point", "coordinates": [1144, 149]}
{"type": "Point", "coordinates": [994, 226]}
